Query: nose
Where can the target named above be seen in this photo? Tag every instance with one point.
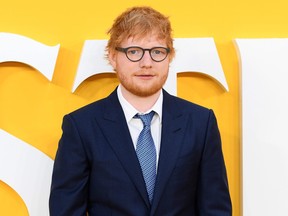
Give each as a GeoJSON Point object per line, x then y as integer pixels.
{"type": "Point", "coordinates": [146, 60]}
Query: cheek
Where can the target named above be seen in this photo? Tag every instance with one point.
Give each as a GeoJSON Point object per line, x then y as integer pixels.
{"type": "Point", "coordinates": [164, 66]}
{"type": "Point", "coordinates": [122, 63]}
{"type": "Point", "coordinates": [123, 71]}
{"type": "Point", "coordinates": [164, 69]}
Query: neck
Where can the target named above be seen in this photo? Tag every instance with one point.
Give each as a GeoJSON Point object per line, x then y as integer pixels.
{"type": "Point", "coordinates": [142, 104]}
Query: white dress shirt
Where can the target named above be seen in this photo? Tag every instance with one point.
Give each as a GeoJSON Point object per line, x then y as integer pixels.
{"type": "Point", "coordinates": [135, 125]}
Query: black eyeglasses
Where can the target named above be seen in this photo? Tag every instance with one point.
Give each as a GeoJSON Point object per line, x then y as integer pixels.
{"type": "Point", "coordinates": [135, 53]}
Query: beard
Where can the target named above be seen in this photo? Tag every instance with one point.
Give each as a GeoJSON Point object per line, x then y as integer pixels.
{"type": "Point", "coordinates": [143, 89]}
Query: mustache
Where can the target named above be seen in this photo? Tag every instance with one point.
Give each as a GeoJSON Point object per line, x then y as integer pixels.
{"type": "Point", "coordinates": [145, 73]}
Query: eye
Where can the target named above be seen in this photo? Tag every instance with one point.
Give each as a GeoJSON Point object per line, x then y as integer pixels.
{"type": "Point", "coordinates": [134, 51]}
{"type": "Point", "coordinates": [158, 51]}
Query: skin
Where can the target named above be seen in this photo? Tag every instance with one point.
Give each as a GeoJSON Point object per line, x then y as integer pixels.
{"type": "Point", "coordinates": [141, 81]}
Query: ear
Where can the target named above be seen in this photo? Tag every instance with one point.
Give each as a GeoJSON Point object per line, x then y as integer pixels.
{"type": "Point", "coordinates": [112, 58]}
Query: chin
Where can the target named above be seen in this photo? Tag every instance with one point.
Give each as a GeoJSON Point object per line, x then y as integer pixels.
{"type": "Point", "coordinates": [145, 92]}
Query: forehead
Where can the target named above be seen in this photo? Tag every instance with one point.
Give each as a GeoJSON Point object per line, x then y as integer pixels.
{"type": "Point", "coordinates": [144, 41]}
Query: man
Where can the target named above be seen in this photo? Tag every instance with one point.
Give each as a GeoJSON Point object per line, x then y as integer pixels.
{"type": "Point", "coordinates": [110, 161]}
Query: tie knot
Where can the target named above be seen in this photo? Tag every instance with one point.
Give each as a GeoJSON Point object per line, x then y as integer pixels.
{"type": "Point", "coordinates": [146, 118]}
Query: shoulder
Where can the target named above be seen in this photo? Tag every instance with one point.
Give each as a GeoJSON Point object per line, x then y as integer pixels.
{"type": "Point", "coordinates": [198, 114]}
{"type": "Point", "coordinates": [182, 105]}
{"type": "Point", "coordinates": [97, 108]}
{"type": "Point", "coordinates": [91, 108]}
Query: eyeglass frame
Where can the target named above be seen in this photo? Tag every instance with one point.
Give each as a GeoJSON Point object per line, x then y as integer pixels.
{"type": "Point", "coordinates": [124, 50]}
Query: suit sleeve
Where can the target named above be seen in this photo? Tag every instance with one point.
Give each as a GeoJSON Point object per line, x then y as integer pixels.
{"type": "Point", "coordinates": [70, 174]}
{"type": "Point", "coordinates": [213, 192]}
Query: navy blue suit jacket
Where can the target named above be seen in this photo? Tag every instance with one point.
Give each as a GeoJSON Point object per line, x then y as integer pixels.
{"type": "Point", "coordinates": [96, 168]}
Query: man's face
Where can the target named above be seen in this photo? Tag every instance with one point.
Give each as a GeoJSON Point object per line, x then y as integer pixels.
{"type": "Point", "coordinates": [145, 77]}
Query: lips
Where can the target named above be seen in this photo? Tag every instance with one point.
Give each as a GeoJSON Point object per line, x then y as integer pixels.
{"type": "Point", "coordinates": [145, 76]}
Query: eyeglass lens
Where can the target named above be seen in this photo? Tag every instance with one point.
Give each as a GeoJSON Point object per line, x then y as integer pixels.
{"type": "Point", "coordinates": [136, 53]}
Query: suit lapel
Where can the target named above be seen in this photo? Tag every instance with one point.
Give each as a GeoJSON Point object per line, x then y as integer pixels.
{"type": "Point", "coordinates": [116, 131]}
{"type": "Point", "coordinates": [171, 139]}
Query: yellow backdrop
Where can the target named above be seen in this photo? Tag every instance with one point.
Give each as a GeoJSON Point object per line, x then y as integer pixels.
{"type": "Point", "coordinates": [32, 107]}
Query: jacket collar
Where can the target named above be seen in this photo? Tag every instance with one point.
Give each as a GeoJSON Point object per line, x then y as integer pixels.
{"type": "Point", "coordinates": [116, 131]}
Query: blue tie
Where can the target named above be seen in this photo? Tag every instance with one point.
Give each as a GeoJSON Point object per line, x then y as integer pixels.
{"type": "Point", "coordinates": [146, 153]}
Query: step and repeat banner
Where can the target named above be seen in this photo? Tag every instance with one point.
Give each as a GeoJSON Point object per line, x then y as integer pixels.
{"type": "Point", "coordinates": [230, 57]}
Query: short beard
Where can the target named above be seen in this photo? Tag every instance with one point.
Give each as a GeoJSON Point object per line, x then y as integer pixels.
{"type": "Point", "coordinates": [144, 92]}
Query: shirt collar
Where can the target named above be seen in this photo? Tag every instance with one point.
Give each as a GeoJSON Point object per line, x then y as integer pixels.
{"type": "Point", "coordinates": [130, 111]}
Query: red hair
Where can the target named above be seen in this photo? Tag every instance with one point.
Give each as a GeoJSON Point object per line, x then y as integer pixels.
{"type": "Point", "coordinates": [139, 22]}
